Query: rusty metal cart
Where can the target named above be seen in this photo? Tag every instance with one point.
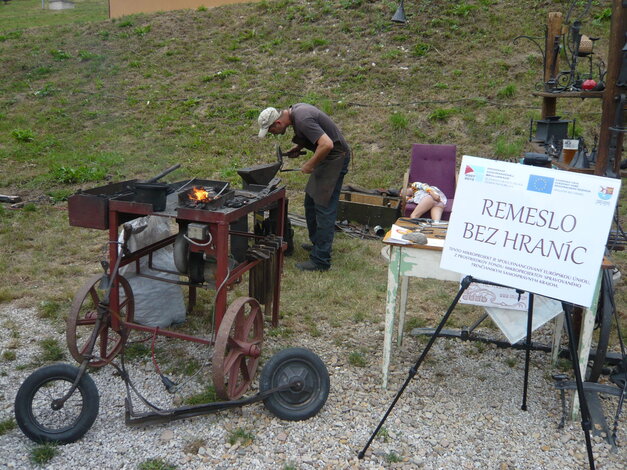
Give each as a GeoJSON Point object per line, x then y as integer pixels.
{"type": "Point", "coordinates": [212, 221]}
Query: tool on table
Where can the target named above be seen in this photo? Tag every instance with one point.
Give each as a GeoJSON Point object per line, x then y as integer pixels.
{"type": "Point", "coordinates": [280, 156]}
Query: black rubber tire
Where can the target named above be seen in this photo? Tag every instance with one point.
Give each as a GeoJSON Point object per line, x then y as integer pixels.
{"type": "Point", "coordinates": [286, 366]}
{"type": "Point", "coordinates": [62, 426]}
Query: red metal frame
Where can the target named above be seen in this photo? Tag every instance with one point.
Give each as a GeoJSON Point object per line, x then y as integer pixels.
{"type": "Point", "coordinates": [218, 221]}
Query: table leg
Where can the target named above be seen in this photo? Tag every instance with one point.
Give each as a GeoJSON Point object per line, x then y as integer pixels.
{"type": "Point", "coordinates": [390, 308]}
{"type": "Point", "coordinates": [557, 338]}
{"type": "Point", "coordinates": [402, 309]}
{"type": "Point", "coordinates": [585, 341]}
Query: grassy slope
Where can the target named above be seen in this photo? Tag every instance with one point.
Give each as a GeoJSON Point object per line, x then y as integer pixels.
{"type": "Point", "coordinates": [86, 102]}
{"type": "Point", "coordinates": [138, 94]}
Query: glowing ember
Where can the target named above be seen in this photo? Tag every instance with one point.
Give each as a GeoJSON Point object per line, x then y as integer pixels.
{"type": "Point", "coordinates": [199, 194]}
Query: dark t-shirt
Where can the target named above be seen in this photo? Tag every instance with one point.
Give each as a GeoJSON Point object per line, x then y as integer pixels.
{"type": "Point", "coordinates": [309, 125]}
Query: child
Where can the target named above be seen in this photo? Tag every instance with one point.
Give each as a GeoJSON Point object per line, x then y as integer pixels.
{"type": "Point", "coordinates": [427, 198]}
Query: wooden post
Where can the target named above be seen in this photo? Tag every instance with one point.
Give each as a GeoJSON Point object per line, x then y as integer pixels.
{"type": "Point", "coordinates": [551, 60]}
{"type": "Point", "coordinates": [611, 93]}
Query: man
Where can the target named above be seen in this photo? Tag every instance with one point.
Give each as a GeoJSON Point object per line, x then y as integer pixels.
{"type": "Point", "coordinates": [315, 131]}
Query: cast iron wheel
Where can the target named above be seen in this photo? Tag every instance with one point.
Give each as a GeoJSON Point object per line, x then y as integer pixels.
{"type": "Point", "coordinates": [82, 320]}
{"type": "Point", "coordinates": [41, 419]}
{"type": "Point", "coordinates": [303, 400]}
{"type": "Point", "coordinates": [237, 348]}
{"type": "Point", "coordinates": [605, 309]}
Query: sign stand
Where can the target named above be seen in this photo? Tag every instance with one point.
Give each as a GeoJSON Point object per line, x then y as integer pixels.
{"type": "Point", "coordinates": [568, 311]}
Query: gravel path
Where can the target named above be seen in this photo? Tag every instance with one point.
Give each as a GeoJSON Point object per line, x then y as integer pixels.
{"type": "Point", "coordinates": [461, 411]}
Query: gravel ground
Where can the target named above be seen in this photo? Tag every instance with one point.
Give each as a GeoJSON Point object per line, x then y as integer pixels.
{"type": "Point", "coordinates": [461, 411]}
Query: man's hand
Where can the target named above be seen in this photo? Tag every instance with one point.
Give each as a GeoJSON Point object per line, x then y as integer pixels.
{"type": "Point", "coordinates": [294, 152]}
{"type": "Point", "coordinates": [308, 167]}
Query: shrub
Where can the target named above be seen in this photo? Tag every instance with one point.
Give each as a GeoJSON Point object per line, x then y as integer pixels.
{"type": "Point", "coordinates": [23, 135]}
{"type": "Point", "coordinates": [82, 174]}
{"type": "Point", "coordinates": [142, 30]}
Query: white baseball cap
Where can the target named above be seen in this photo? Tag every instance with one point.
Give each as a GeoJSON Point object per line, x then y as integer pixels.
{"type": "Point", "coordinates": [267, 117]}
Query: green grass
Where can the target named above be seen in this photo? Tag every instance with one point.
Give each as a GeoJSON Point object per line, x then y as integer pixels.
{"type": "Point", "coordinates": [43, 453]}
{"type": "Point", "coordinates": [393, 457]}
{"type": "Point", "coordinates": [9, 355]}
{"type": "Point", "coordinates": [207, 396]}
{"type": "Point", "coordinates": [156, 464]}
{"type": "Point", "coordinates": [506, 92]}
{"type": "Point", "coordinates": [20, 14]}
{"type": "Point", "coordinates": [242, 436]}
{"type": "Point", "coordinates": [511, 362]}
{"type": "Point", "coordinates": [357, 359]}
{"type": "Point", "coordinates": [52, 310]}
{"type": "Point", "coordinates": [7, 425]}
{"type": "Point", "coordinates": [51, 350]}
{"type": "Point", "coordinates": [383, 434]}
{"type": "Point", "coordinates": [134, 351]}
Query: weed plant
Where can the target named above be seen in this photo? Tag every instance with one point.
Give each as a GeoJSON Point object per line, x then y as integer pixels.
{"type": "Point", "coordinates": [244, 437]}
{"type": "Point", "coordinates": [357, 359]}
{"type": "Point", "coordinates": [51, 350]}
{"type": "Point", "coordinates": [42, 454]}
{"type": "Point", "coordinates": [7, 425]}
{"type": "Point", "coordinates": [155, 464]}
{"type": "Point", "coordinates": [209, 395]}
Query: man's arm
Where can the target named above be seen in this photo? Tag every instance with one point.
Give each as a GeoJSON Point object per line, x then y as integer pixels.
{"type": "Point", "coordinates": [323, 146]}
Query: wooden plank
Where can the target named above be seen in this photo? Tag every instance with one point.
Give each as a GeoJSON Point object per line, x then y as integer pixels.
{"type": "Point", "coordinates": [375, 200]}
{"type": "Point", "coordinates": [617, 39]}
{"type": "Point", "coordinates": [551, 59]}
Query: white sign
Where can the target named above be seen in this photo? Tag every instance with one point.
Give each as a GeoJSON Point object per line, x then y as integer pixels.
{"type": "Point", "coordinates": [530, 228]}
{"type": "Point", "coordinates": [513, 323]}
{"type": "Point", "coordinates": [486, 295]}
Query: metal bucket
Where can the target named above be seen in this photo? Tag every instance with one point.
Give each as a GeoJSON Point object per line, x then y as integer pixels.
{"type": "Point", "coordinates": [152, 193]}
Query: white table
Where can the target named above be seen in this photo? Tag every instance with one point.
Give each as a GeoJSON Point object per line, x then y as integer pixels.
{"type": "Point", "coordinates": [407, 261]}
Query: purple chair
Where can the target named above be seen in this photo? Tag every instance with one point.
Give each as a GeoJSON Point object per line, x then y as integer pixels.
{"type": "Point", "coordinates": [436, 166]}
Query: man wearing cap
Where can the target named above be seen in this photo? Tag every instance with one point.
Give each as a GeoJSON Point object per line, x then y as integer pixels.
{"type": "Point", "coordinates": [315, 131]}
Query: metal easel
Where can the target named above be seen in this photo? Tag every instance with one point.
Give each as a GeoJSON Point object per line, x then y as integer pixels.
{"type": "Point", "coordinates": [585, 414]}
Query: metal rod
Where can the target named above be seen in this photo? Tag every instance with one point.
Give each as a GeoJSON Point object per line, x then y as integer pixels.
{"type": "Point", "coordinates": [527, 351]}
{"type": "Point", "coordinates": [163, 173]}
{"type": "Point", "coordinates": [583, 404]}
{"type": "Point", "coordinates": [412, 372]}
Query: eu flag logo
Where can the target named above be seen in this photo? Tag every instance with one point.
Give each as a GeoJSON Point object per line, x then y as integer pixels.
{"type": "Point", "coordinates": [540, 184]}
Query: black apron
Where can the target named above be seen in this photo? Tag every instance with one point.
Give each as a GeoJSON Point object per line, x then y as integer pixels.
{"type": "Point", "coordinates": [322, 181]}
